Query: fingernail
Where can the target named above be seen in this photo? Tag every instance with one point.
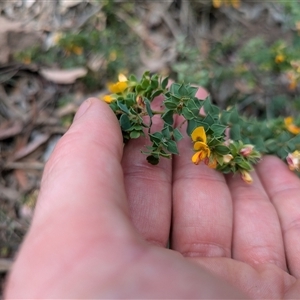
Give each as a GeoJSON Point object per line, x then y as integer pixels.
{"type": "Point", "coordinates": [83, 108]}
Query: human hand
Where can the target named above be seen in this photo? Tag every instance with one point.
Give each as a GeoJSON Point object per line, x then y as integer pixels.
{"type": "Point", "coordinates": [89, 239]}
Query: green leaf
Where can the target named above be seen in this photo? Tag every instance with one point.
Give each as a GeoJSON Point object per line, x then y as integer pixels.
{"type": "Point", "coordinates": [172, 147]}
{"type": "Point", "coordinates": [148, 107]}
{"type": "Point", "coordinates": [165, 82]}
{"type": "Point", "coordinates": [193, 106]}
{"type": "Point", "coordinates": [135, 134]}
{"type": "Point", "coordinates": [155, 94]}
{"type": "Point", "coordinates": [174, 88]}
{"type": "Point", "coordinates": [225, 116]}
{"type": "Point", "coordinates": [209, 119]}
{"type": "Point", "coordinates": [235, 132]}
{"type": "Point", "coordinates": [145, 83]}
{"type": "Point", "coordinates": [132, 78]}
{"type": "Point", "coordinates": [243, 164]}
{"type": "Point", "coordinates": [166, 132]}
{"type": "Point", "coordinates": [168, 117]}
{"type": "Point", "coordinates": [234, 116]}
{"type": "Point", "coordinates": [282, 152]}
{"type": "Point", "coordinates": [221, 149]}
{"type": "Point", "coordinates": [123, 107]}
{"type": "Point", "coordinates": [187, 114]}
{"type": "Point", "coordinates": [210, 108]}
{"type": "Point", "coordinates": [177, 135]}
{"type": "Point", "coordinates": [284, 137]}
{"type": "Point", "coordinates": [125, 122]}
{"type": "Point", "coordinates": [156, 137]}
{"type": "Point", "coordinates": [259, 143]}
{"type": "Point", "coordinates": [218, 129]}
{"type": "Point", "coordinates": [192, 90]}
{"type": "Point", "coordinates": [182, 91]}
{"type": "Point", "coordinates": [170, 105]}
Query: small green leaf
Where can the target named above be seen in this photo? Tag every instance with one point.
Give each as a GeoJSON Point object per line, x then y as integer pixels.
{"type": "Point", "coordinates": [132, 78]}
{"type": "Point", "coordinates": [155, 94]}
{"type": "Point", "coordinates": [225, 116]}
{"type": "Point", "coordinates": [125, 122]}
{"type": "Point", "coordinates": [172, 147]}
{"type": "Point", "coordinates": [135, 134]}
{"type": "Point", "coordinates": [218, 129]}
{"type": "Point", "coordinates": [182, 91]}
{"type": "Point", "coordinates": [243, 164]}
{"type": "Point", "coordinates": [123, 107]}
{"type": "Point", "coordinates": [148, 107]}
{"type": "Point", "coordinates": [166, 132]}
{"type": "Point", "coordinates": [209, 119]}
{"type": "Point", "coordinates": [156, 137]}
{"type": "Point", "coordinates": [235, 132]}
{"type": "Point", "coordinates": [153, 84]}
{"type": "Point", "coordinates": [174, 88]}
{"type": "Point", "coordinates": [168, 117]}
{"type": "Point", "coordinates": [187, 114]}
{"type": "Point", "coordinates": [177, 134]}
{"type": "Point", "coordinates": [170, 105]}
{"type": "Point", "coordinates": [221, 149]}
{"type": "Point", "coordinates": [234, 116]}
{"type": "Point", "coordinates": [165, 82]}
{"type": "Point", "coordinates": [192, 90]}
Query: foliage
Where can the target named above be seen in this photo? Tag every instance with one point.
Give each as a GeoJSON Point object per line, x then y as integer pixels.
{"type": "Point", "coordinates": [206, 125]}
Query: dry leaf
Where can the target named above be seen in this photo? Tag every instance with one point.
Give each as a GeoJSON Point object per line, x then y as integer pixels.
{"type": "Point", "coordinates": [33, 145]}
{"type": "Point", "coordinates": [6, 25]}
{"type": "Point", "coordinates": [63, 76]}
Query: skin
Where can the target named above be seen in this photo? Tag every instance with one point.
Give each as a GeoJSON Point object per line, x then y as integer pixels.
{"type": "Point", "coordinates": [104, 217]}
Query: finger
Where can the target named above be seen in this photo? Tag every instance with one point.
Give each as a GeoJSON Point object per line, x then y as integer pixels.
{"type": "Point", "coordinates": [283, 187]}
{"type": "Point", "coordinates": [148, 187]}
{"type": "Point", "coordinates": [202, 209]}
{"type": "Point", "coordinates": [257, 235]}
{"type": "Point", "coordinates": [81, 214]}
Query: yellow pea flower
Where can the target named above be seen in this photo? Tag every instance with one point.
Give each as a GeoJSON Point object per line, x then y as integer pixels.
{"type": "Point", "coordinates": [199, 137]}
{"type": "Point", "coordinates": [118, 87]}
{"type": "Point", "coordinates": [108, 98]}
{"type": "Point", "coordinates": [290, 126]}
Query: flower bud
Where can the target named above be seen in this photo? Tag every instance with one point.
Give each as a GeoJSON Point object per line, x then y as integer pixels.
{"type": "Point", "coordinates": [140, 102]}
{"type": "Point", "coordinates": [227, 158]}
{"type": "Point", "coordinates": [246, 177]}
{"type": "Point", "coordinates": [293, 160]}
{"type": "Point", "coordinates": [246, 150]}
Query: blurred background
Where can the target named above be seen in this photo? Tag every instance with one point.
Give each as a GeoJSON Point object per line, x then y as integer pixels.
{"type": "Point", "coordinates": [56, 53]}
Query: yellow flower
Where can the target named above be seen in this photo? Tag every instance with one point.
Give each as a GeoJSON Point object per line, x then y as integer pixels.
{"type": "Point", "coordinates": [290, 126]}
{"type": "Point", "coordinates": [118, 87]}
{"type": "Point", "coordinates": [199, 137]}
{"type": "Point", "coordinates": [293, 160]}
{"type": "Point", "coordinates": [279, 58]}
{"type": "Point", "coordinates": [218, 3]}
{"type": "Point", "coordinates": [108, 98]}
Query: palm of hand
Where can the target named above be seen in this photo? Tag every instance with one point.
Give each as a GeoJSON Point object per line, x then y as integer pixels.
{"type": "Point", "coordinates": [227, 236]}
